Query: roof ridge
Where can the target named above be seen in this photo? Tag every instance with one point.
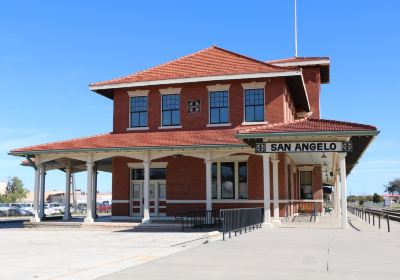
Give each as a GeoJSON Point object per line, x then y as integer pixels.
{"type": "Point", "coordinates": [63, 141]}
{"type": "Point", "coordinates": [253, 59]}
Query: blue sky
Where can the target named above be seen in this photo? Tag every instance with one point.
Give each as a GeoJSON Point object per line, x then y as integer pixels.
{"type": "Point", "coordinates": [51, 50]}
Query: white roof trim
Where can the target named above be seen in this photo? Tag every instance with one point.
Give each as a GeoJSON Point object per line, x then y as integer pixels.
{"type": "Point", "coordinates": [303, 63]}
{"type": "Point", "coordinates": [197, 79]}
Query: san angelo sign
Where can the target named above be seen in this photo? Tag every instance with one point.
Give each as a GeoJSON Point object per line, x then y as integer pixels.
{"type": "Point", "coordinates": [304, 147]}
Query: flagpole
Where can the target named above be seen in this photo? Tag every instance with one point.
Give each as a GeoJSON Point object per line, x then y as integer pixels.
{"type": "Point", "coordinates": [295, 28]}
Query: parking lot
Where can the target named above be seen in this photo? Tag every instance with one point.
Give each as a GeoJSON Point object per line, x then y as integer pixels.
{"type": "Point", "coordinates": [70, 253]}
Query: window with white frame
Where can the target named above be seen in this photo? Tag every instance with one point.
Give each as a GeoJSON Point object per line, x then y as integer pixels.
{"type": "Point", "coordinates": [170, 110]}
{"type": "Point", "coordinates": [219, 107]}
{"type": "Point", "coordinates": [229, 180]}
{"type": "Point", "coordinates": [254, 105]}
{"type": "Point", "coordinates": [138, 111]}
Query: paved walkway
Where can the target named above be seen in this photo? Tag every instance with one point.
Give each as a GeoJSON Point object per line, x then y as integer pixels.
{"type": "Point", "coordinates": [362, 252]}
{"type": "Point", "coordinates": [85, 253]}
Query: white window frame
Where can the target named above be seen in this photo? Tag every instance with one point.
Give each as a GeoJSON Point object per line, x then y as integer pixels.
{"type": "Point", "coordinates": [235, 160]}
{"type": "Point", "coordinates": [138, 93]}
{"type": "Point", "coordinates": [170, 91]}
{"type": "Point", "coordinates": [218, 87]}
{"type": "Point", "coordinates": [253, 85]}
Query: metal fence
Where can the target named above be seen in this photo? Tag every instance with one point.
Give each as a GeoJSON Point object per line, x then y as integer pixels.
{"type": "Point", "coordinates": [240, 219]}
{"type": "Point", "coordinates": [375, 215]}
{"type": "Point", "coordinates": [198, 219]}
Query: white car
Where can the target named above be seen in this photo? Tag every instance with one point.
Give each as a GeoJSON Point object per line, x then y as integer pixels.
{"type": "Point", "coordinates": [58, 208]}
{"type": "Point", "coordinates": [48, 211]}
{"type": "Point", "coordinates": [4, 208]}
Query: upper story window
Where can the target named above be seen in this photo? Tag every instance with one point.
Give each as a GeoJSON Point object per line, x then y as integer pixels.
{"type": "Point", "coordinates": [138, 111]}
{"type": "Point", "coordinates": [219, 108]}
{"type": "Point", "coordinates": [170, 110]}
{"type": "Point", "coordinates": [254, 105]}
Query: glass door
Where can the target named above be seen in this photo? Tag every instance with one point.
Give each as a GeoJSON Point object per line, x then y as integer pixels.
{"type": "Point", "coordinates": [137, 199]}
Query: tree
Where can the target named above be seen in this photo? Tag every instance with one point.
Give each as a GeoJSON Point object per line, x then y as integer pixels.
{"type": "Point", "coordinates": [393, 187]}
{"type": "Point", "coordinates": [377, 198]}
{"type": "Point", "coordinates": [15, 191]}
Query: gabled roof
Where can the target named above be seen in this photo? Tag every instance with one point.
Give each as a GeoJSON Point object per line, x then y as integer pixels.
{"type": "Point", "coordinates": [210, 62]}
{"type": "Point", "coordinates": [308, 125]}
{"type": "Point", "coordinates": [139, 140]}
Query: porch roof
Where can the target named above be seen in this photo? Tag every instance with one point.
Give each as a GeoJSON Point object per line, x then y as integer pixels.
{"type": "Point", "coordinates": [307, 126]}
{"type": "Point", "coordinates": [140, 140]}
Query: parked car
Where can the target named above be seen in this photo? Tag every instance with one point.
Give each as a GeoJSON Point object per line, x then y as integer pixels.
{"type": "Point", "coordinates": [104, 207]}
{"type": "Point", "coordinates": [49, 211]}
{"type": "Point", "coordinates": [4, 210]}
{"type": "Point", "coordinates": [81, 207]}
{"type": "Point", "coordinates": [23, 209]}
{"type": "Point", "coordinates": [59, 208]}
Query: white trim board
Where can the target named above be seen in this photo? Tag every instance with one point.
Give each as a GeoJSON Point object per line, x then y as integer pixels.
{"type": "Point", "coordinates": [197, 79]}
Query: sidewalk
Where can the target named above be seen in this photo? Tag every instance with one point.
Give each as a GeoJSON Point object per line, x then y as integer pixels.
{"type": "Point", "coordinates": [283, 253]}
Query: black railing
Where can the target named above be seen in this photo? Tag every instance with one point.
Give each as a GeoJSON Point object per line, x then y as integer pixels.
{"type": "Point", "coordinates": [240, 219]}
{"type": "Point", "coordinates": [369, 215]}
{"type": "Point", "coordinates": [198, 219]}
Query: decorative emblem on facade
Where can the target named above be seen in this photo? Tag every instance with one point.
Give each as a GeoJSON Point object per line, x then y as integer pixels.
{"type": "Point", "coordinates": [193, 106]}
{"type": "Point", "coordinates": [347, 146]}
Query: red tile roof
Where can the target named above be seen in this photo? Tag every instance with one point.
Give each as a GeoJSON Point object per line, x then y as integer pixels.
{"type": "Point", "coordinates": [212, 61]}
{"type": "Point", "coordinates": [308, 125]}
{"type": "Point", "coordinates": [297, 59]}
{"type": "Point", "coordinates": [142, 140]}
{"type": "Point", "coordinates": [183, 138]}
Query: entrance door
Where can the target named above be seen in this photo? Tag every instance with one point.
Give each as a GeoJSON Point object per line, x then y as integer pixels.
{"type": "Point", "coordinates": [157, 198]}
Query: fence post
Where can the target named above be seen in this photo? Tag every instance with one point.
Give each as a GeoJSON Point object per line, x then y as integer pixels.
{"type": "Point", "coordinates": [387, 217]}
{"type": "Point", "coordinates": [379, 220]}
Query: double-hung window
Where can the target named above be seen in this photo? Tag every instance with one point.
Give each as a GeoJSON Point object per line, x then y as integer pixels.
{"type": "Point", "coordinates": [254, 105]}
{"type": "Point", "coordinates": [170, 110]}
{"type": "Point", "coordinates": [138, 111]}
{"type": "Point", "coordinates": [306, 185]}
{"type": "Point", "coordinates": [219, 107]}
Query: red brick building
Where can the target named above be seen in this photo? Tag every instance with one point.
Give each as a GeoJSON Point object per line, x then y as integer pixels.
{"type": "Point", "coordinates": [212, 130]}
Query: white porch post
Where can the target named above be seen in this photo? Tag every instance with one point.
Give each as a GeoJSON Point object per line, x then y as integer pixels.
{"type": "Point", "coordinates": [67, 211]}
{"type": "Point", "coordinates": [35, 218]}
{"type": "Point", "coordinates": [267, 192]}
{"type": "Point", "coordinates": [337, 196]}
{"type": "Point", "coordinates": [146, 187]}
{"type": "Point", "coordinates": [89, 191]}
{"type": "Point", "coordinates": [42, 191]}
{"type": "Point", "coordinates": [208, 163]}
{"type": "Point", "coordinates": [343, 190]}
{"type": "Point", "coordinates": [94, 193]}
{"type": "Point", "coordinates": [275, 180]}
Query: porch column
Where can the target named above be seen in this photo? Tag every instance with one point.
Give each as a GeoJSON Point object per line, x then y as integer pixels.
{"type": "Point", "coordinates": [343, 190]}
{"type": "Point", "coordinates": [208, 163]}
{"type": "Point", "coordinates": [89, 191]}
{"type": "Point", "coordinates": [67, 211]}
{"type": "Point", "coordinates": [275, 180]}
{"type": "Point", "coordinates": [146, 187]}
{"type": "Point", "coordinates": [337, 196]}
{"type": "Point", "coordinates": [94, 193]}
{"type": "Point", "coordinates": [42, 191]}
{"type": "Point", "coordinates": [267, 192]}
{"type": "Point", "coordinates": [36, 189]}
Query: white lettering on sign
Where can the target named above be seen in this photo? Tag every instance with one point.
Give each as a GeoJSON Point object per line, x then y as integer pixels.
{"type": "Point", "coordinates": [297, 147]}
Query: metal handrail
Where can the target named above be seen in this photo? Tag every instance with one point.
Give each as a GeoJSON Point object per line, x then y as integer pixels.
{"type": "Point", "coordinates": [364, 213]}
{"type": "Point", "coordinates": [240, 219]}
{"type": "Point", "coordinates": [198, 219]}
